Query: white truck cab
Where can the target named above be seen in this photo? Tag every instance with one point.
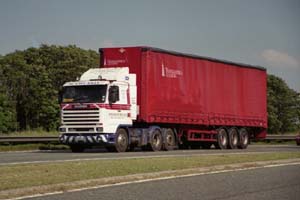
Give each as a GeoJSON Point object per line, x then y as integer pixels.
{"type": "Point", "coordinates": [93, 108]}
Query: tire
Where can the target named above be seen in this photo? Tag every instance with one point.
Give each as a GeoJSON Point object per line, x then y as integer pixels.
{"type": "Point", "coordinates": [169, 140]}
{"type": "Point", "coordinates": [156, 140]}
{"type": "Point", "coordinates": [233, 138]}
{"type": "Point", "coordinates": [121, 143]}
{"type": "Point", "coordinates": [222, 139]}
{"type": "Point", "coordinates": [243, 139]}
{"type": "Point", "coordinates": [77, 148]}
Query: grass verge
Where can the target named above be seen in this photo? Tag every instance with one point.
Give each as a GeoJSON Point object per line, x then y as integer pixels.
{"type": "Point", "coordinates": [30, 175]}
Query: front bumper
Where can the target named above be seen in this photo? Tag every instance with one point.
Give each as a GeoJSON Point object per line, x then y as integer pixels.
{"type": "Point", "coordinates": [86, 129]}
{"type": "Point", "coordinates": [87, 139]}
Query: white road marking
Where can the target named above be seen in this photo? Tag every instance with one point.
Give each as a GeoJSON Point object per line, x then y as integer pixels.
{"type": "Point", "coordinates": [158, 179]}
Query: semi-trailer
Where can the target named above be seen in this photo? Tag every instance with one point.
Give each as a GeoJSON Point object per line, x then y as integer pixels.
{"type": "Point", "coordinates": [161, 100]}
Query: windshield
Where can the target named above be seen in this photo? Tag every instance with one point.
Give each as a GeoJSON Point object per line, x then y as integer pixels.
{"type": "Point", "coordinates": [84, 94]}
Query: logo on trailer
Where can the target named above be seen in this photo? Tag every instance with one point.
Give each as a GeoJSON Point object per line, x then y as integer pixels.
{"type": "Point", "coordinates": [170, 73]}
{"type": "Point", "coordinates": [122, 50]}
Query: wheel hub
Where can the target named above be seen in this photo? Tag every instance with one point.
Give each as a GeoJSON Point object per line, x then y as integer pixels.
{"type": "Point", "coordinates": [156, 140]}
{"type": "Point", "coordinates": [169, 139]}
{"type": "Point", "coordinates": [235, 140]}
{"type": "Point", "coordinates": [223, 139]}
{"type": "Point", "coordinates": [121, 140]}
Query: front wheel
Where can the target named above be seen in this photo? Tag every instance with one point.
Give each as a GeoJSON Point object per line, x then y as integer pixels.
{"type": "Point", "coordinates": [121, 143]}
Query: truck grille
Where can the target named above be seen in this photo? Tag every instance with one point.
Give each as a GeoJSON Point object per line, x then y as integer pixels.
{"type": "Point", "coordinates": [80, 117]}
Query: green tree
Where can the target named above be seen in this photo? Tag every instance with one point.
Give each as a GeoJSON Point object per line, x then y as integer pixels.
{"type": "Point", "coordinates": [33, 77]}
{"type": "Point", "coordinates": [7, 115]}
{"type": "Point", "coordinates": [283, 106]}
{"type": "Point", "coordinates": [7, 108]}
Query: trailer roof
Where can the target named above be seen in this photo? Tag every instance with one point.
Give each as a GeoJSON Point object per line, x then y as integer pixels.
{"type": "Point", "coordinates": [175, 53]}
{"type": "Point", "coordinates": [146, 48]}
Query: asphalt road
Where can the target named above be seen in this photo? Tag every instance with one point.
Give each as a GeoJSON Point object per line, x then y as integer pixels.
{"type": "Point", "coordinates": [264, 184]}
{"type": "Point", "coordinates": [7, 158]}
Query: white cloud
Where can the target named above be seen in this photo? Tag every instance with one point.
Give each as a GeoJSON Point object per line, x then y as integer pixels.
{"type": "Point", "coordinates": [279, 58]}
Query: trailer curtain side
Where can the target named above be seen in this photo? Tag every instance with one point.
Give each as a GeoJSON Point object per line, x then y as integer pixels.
{"type": "Point", "coordinates": [186, 89]}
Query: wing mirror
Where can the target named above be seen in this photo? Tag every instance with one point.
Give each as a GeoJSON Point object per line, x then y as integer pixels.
{"type": "Point", "coordinates": [113, 94]}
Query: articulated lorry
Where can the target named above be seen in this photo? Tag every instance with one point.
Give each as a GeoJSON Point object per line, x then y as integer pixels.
{"type": "Point", "coordinates": [161, 100]}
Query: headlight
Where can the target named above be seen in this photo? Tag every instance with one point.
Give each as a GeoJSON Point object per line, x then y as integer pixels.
{"type": "Point", "coordinates": [99, 129]}
{"type": "Point", "coordinates": [62, 129]}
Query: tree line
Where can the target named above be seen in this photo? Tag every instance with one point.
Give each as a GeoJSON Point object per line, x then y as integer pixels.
{"type": "Point", "coordinates": [30, 81]}
{"type": "Point", "coordinates": [283, 106]}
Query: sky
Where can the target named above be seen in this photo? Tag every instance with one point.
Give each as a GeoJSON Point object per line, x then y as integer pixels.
{"type": "Point", "coordinates": [256, 32]}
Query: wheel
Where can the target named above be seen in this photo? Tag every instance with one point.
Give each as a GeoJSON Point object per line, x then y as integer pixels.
{"type": "Point", "coordinates": [156, 140]}
{"type": "Point", "coordinates": [206, 145]}
{"type": "Point", "coordinates": [169, 140]}
{"type": "Point", "coordinates": [233, 138]}
{"type": "Point", "coordinates": [121, 143]}
{"type": "Point", "coordinates": [77, 148]}
{"type": "Point", "coordinates": [222, 139]}
{"type": "Point", "coordinates": [243, 139]}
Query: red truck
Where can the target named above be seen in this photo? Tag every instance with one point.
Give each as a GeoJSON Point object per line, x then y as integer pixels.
{"type": "Point", "coordinates": [161, 100]}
